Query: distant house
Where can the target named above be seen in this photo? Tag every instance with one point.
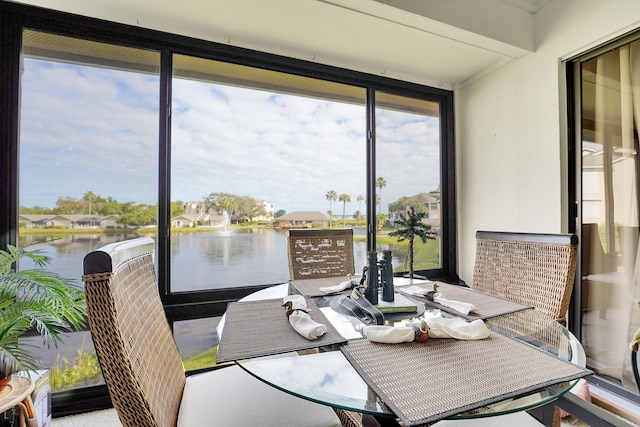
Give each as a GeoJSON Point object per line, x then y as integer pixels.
{"type": "Point", "coordinates": [35, 221]}
{"type": "Point", "coordinates": [109, 221]}
{"type": "Point", "coordinates": [268, 209]}
{"type": "Point", "coordinates": [65, 221]}
{"type": "Point", "coordinates": [302, 219]}
{"type": "Point", "coordinates": [191, 220]}
{"type": "Point", "coordinates": [86, 221]}
{"type": "Point", "coordinates": [431, 200]}
{"type": "Point", "coordinates": [77, 221]}
{"type": "Point", "coordinates": [192, 208]}
{"type": "Point", "coordinates": [68, 221]}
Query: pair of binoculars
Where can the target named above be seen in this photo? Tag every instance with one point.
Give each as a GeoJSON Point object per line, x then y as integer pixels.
{"type": "Point", "coordinates": [378, 274]}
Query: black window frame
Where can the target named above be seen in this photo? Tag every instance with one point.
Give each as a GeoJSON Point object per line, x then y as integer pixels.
{"type": "Point", "coordinates": [14, 18]}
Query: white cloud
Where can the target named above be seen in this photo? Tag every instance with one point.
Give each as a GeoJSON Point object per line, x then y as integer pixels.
{"type": "Point", "coordinates": [95, 129]}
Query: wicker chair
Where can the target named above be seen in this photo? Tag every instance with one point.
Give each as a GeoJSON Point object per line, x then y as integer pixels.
{"type": "Point", "coordinates": [142, 366]}
{"type": "Point", "coordinates": [532, 269]}
{"type": "Point", "coordinates": [318, 253]}
{"type": "Point", "coordinates": [529, 268]}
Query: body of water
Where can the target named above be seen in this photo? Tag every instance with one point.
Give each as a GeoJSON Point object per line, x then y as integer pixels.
{"type": "Point", "coordinates": [199, 261]}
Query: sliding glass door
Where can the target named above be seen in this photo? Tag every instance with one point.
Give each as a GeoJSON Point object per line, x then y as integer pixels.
{"type": "Point", "coordinates": [609, 83]}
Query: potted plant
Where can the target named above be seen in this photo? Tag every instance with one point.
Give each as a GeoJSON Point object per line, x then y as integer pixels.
{"type": "Point", "coordinates": [35, 299]}
{"type": "Point", "coordinates": [410, 226]}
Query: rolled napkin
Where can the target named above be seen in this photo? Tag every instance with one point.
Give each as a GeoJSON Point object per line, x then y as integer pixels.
{"type": "Point", "coordinates": [298, 314]}
{"type": "Point", "coordinates": [435, 327]}
{"type": "Point", "coordinates": [413, 290]}
{"type": "Point", "coordinates": [435, 296]}
{"type": "Point", "coordinates": [347, 284]}
{"type": "Point", "coordinates": [459, 306]}
{"type": "Point", "coordinates": [389, 334]}
{"type": "Point", "coordinates": [460, 329]}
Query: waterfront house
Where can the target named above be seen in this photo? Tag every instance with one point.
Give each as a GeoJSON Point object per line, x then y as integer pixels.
{"type": "Point", "coordinates": [430, 200]}
{"type": "Point", "coordinates": [68, 221]}
{"type": "Point", "coordinates": [194, 220]}
{"type": "Point", "coordinates": [35, 220]}
{"type": "Point", "coordinates": [302, 219]}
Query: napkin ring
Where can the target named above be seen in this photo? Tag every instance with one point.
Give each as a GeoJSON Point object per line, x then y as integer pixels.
{"type": "Point", "coordinates": [289, 310]}
{"type": "Point", "coordinates": [421, 330]}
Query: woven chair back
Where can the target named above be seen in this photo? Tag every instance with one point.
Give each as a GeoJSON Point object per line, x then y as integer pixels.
{"type": "Point", "coordinates": [137, 353]}
{"type": "Point", "coordinates": [529, 268]}
{"type": "Point", "coordinates": [318, 253]}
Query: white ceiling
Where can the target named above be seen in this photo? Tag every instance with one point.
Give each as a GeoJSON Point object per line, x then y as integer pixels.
{"type": "Point", "coordinates": [442, 43]}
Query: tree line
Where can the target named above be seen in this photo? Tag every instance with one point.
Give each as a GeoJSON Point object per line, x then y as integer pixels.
{"type": "Point", "coordinates": [140, 214]}
{"type": "Point", "coordinates": [239, 208]}
{"type": "Point", "coordinates": [128, 213]}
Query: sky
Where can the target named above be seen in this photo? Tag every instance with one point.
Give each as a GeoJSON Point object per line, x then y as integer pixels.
{"type": "Point", "coordinates": [96, 129]}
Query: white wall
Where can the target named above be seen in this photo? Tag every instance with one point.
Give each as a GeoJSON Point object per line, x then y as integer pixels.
{"type": "Point", "coordinates": [511, 140]}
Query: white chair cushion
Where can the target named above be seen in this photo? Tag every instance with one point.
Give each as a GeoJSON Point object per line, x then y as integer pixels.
{"type": "Point", "coordinates": [519, 419]}
{"type": "Point", "coordinates": [232, 397]}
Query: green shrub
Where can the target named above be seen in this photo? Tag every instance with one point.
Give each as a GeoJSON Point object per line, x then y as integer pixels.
{"type": "Point", "coordinates": [82, 371]}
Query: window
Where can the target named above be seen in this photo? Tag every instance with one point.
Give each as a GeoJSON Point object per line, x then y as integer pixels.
{"type": "Point", "coordinates": [255, 152]}
{"type": "Point", "coordinates": [409, 129]}
{"type": "Point", "coordinates": [125, 131]}
{"type": "Point", "coordinates": [609, 110]}
{"type": "Point", "coordinates": [88, 163]}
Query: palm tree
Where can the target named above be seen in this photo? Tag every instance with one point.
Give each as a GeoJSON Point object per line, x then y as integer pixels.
{"type": "Point", "coordinates": [344, 198]}
{"type": "Point", "coordinates": [34, 299]}
{"type": "Point", "coordinates": [360, 199]}
{"type": "Point", "coordinates": [331, 196]}
{"type": "Point", "coordinates": [380, 183]}
{"type": "Point", "coordinates": [90, 197]}
{"type": "Point", "coordinates": [410, 226]}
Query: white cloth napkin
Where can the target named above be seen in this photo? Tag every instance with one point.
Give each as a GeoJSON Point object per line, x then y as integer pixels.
{"type": "Point", "coordinates": [439, 327]}
{"type": "Point", "coordinates": [413, 290]}
{"type": "Point", "coordinates": [460, 329]}
{"type": "Point", "coordinates": [337, 288]}
{"type": "Point", "coordinates": [300, 320]}
{"type": "Point", "coordinates": [389, 334]}
{"type": "Point", "coordinates": [459, 306]}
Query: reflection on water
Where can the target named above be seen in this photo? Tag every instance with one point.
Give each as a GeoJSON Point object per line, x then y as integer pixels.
{"type": "Point", "coordinates": [199, 261]}
{"type": "Point", "coordinates": [218, 260]}
{"type": "Point", "coordinates": [68, 251]}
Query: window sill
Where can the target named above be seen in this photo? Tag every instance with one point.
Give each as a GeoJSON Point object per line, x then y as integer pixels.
{"type": "Point", "coordinates": [617, 405]}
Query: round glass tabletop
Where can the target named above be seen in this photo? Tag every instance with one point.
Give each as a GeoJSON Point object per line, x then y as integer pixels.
{"type": "Point", "coordinates": [327, 377]}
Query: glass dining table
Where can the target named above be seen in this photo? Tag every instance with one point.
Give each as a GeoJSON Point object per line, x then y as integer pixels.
{"type": "Point", "coordinates": [328, 376]}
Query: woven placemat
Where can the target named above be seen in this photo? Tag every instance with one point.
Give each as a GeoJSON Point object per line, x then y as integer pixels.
{"type": "Point", "coordinates": [311, 287]}
{"type": "Point", "coordinates": [486, 306]}
{"type": "Point", "coordinates": [261, 328]}
{"type": "Point", "coordinates": [439, 378]}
